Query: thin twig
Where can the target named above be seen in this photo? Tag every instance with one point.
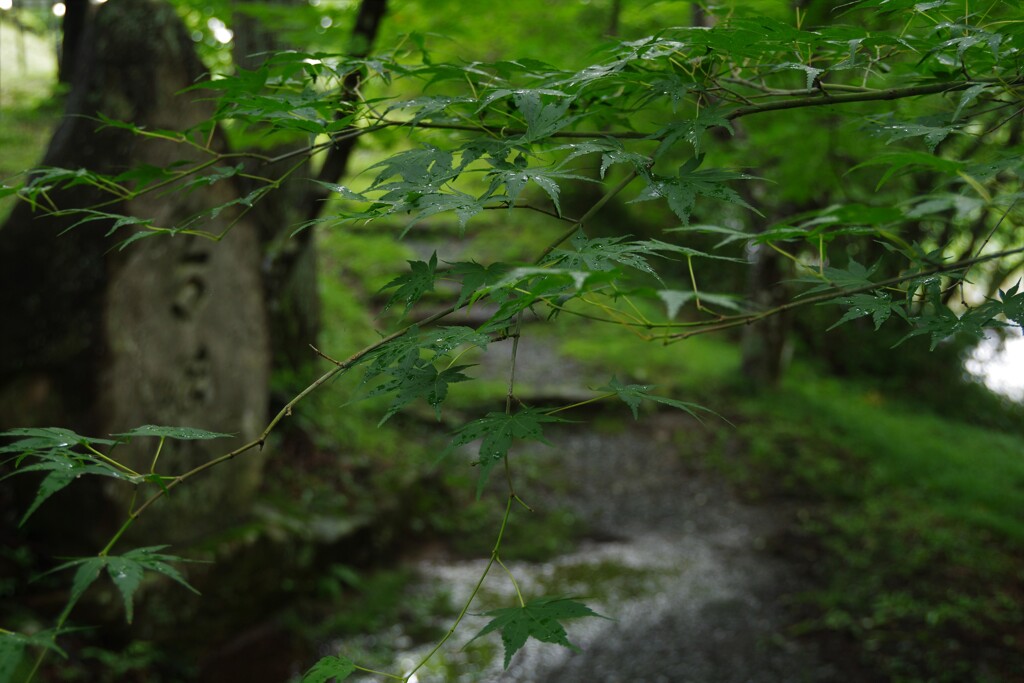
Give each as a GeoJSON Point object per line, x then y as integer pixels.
{"type": "Point", "coordinates": [325, 356]}
{"type": "Point", "coordinates": [996, 226]}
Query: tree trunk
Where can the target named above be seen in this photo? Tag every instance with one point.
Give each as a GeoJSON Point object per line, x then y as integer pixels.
{"type": "Point", "coordinates": [290, 263]}
{"type": "Point", "coordinates": [764, 345]}
{"type": "Point", "coordinates": [76, 16]}
{"type": "Point", "coordinates": [169, 331]}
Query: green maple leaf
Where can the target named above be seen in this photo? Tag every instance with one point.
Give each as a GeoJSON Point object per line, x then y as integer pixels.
{"type": "Point", "coordinates": [465, 207]}
{"type": "Point", "coordinates": [442, 341]}
{"type": "Point", "coordinates": [933, 129]}
{"type": "Point", "coordinates": [476, 276]}
{"type": "Point", "coordinates": [516, 174]}
{"type": "Point", "coordinates": [524, 287]}
{"type": "Point", "coordinates": [61, 474]}
{"type": "Point", "coordinates": [1013, 304]}
{"type": "Point", "coordinates": [416, 167]}
{"type": "Point", "coordinates": [542, 119]}
{"type": "Point", "coordinates": [633, 394]}
{"type": "Point", "coordinates": [414, 284]}
{"type": "Point", "coordinates": [681, 191]}
{"type": "Point", "coordinates": [429, 107]}
{"type": "Point", "coordinates": [126, 571]}
{"type": "Point", "coordinates": [35, 439]}
{"type": "Point", "coordinates": [183, 433]}
{"type": "Point", "coordinates": [419, 379]}
{"type": "Point", "coordinates": [675, 299]}
{"type": "Point", "coordinates": [854, 276]}
{"type": "Point", "coordinates": [56, 454]}
{"type": "Point", "coordinates": [941, 322]}
{"type": "Point", "coordinates": [337, 668]}
{"type": "Point", "coordinates": [540, 619]}
{"type": "Point", "coordinates": [496, 432]}
{"type": "Point", "coordinates": [691, 130]}
{"type": "Point", "coordinates": [878, 305]}
{"type": "Point", "coordinates": [605, 253]}
{"type": "Point", "coordinates": [612, 152]}
{"type": "Point", "coordinates": [13, 646]}
{"type": "Point", "coordinates": [405, 351]}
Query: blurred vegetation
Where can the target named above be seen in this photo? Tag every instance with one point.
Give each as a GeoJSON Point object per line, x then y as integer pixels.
{"type": "Point", "coordinates": [904, 478]}
{"type": "Point", "coordinates": [30, 105]}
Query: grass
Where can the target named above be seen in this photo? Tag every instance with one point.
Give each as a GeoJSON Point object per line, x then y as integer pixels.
{"type": "Point", "coordinates": [917, 521]}
{"type": "Point", "coordinates": [959, 470]}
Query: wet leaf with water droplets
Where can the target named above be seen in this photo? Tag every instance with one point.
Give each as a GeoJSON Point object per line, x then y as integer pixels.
{"type": "Point", "coordinates": [183, 433]}
{"type": "Point", "coordinates": [633, 394]}
{"type": "Point", "coordinates": [496, 433]}
{"type": "Point", "coordinates": [126, 571]}
{"type": "Point", "coordinates": [126, 575]}
{"type": "Point", "coordinates": [414, 284]}
{"type": "Point", "coordinates": [540, 619]}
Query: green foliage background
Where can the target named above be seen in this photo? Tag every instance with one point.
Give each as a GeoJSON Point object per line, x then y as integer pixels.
{"type": "Point", "coordinates": [690, 142]}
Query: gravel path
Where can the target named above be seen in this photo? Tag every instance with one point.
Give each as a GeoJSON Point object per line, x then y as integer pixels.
{"type": "Point", "coordinates": [716, 616]}
{"type": "Point", "coordinates": [694, 597]}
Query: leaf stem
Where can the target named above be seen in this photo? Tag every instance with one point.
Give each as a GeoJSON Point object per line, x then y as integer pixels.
{"type": "Point", "coordinates": [693, 281]}
{"type": "Point", "coordinates": [156, 456]}
{"type": "Point", "coordinates": [385, 674]}
{"type": "Point", "coordinates": [510, 394]}
{"type": "Point", "coordinates": [512, 578]}
{"type": "Point", "coordinates": [120, 532]}
{"type": "Point", "coordinates": [591, 212]}
{"type": "Point", "coordinates": [472, 595]}
{"type": "Point", "coordinates": [110, 461]}
{"type": "Point", "coordinates": [580, 404]}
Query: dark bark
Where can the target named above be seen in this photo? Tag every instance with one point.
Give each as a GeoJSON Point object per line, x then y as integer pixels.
{"type": "Point", "coordinates": [289, 264]}
{"type": "Point", "coordinates": [169, 331]}
{"type": "Point", "coordinates": [614, 14]}
{"type": "Point", "coordinates": [368, 20]}
{"type": "Point", "coordinates": [73, 28]}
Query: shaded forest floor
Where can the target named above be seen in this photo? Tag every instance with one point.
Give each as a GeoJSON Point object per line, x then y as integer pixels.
{"type": "Point", "coordinates": [831, 532]}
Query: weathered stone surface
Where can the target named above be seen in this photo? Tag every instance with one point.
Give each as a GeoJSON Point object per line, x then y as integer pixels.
{"type": "Point", "coordinates": [171, 330]}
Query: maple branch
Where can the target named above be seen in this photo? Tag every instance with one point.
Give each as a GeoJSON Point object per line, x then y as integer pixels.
{"type": "Point", "coordinates": [751, 318]}
{"type": "Point", "coordinates": [870, 96]}
{"type": "Point", "coordinates": [598, 205]}
{"type": "Point", "coordinates": [806, 98]}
